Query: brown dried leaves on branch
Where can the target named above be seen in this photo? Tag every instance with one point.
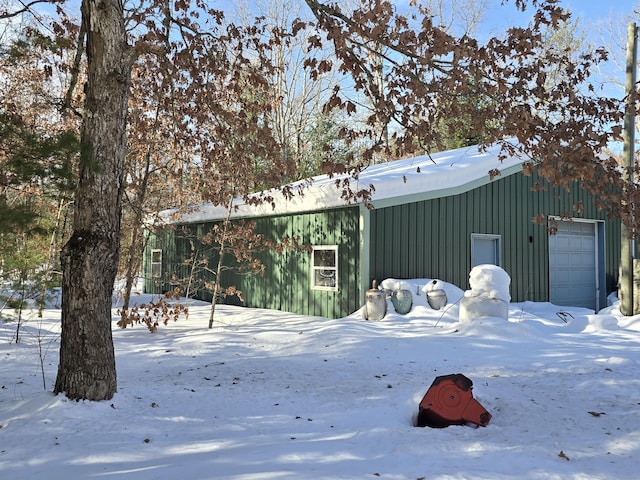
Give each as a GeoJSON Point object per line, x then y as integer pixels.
{"type": "Point", "coordinates": [513, 87]}
{"type": "Point", "coordinates": [154, 313]}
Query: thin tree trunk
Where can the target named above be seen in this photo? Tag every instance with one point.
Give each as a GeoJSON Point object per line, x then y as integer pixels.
{"type": "Point", "coordinates": [216, 285]}
{"type": "Point", "coordinates": [90, 258]}
{"type": "Point", "coordinates": [191, 275]}
{"type": "Point", "coordinates": [138, 240]}
{"type": "Point", "coordinates": [51, 256]}
{"type": "Point", "coordinates": [133, 266]}
{"type": "Point", "coordinates": [223, 245]}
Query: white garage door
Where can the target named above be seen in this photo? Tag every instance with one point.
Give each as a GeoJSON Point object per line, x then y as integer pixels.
{"type": "Point", "coordinates": [572, 265]}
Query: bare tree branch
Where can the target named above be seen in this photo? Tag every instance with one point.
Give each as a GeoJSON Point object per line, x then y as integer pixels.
{"type": "Point", "coordinates": [26, 7]}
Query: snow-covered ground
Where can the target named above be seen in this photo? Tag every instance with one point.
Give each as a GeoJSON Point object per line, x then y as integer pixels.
{"type": "Point", "coordinates": [267, 395]}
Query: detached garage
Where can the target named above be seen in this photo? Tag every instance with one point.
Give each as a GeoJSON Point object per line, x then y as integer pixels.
{"type": "Point", "coordinates": [434, 217]}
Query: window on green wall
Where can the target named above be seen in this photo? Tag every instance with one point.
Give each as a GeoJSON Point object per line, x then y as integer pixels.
{"type": "Point", "coordinates": [156, 263]}
{"type": "Point", "coordinates": [324, 268]}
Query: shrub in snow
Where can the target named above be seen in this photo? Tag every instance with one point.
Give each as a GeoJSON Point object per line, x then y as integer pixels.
{"type": "Point", "coordinates": [153, 313]}
{"type": "Point", "coordinates": [489, 294]}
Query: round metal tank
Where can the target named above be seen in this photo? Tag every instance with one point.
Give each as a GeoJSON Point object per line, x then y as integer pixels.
{"type": "Point", "coordinates": [402, 301]}
{"type": "Point", "coordinates": [437, 298]}
{"type": "Point", "coordinates": [375, 307]}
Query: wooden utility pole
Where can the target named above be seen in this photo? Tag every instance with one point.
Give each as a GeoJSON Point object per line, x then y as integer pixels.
{"type": "Point", "coordinates": [626, 253]}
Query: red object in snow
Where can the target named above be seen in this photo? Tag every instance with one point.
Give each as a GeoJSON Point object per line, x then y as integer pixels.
{"type": "Point", "coordinates": [449, 401]}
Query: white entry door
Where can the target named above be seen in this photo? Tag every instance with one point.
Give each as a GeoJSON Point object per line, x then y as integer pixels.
{"type": "Point", "coordinates": [573, 272]}
{"type": "Point", "coordinates": [485, 249]}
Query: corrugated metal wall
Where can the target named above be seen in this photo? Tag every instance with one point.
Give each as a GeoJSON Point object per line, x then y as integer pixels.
{"type": "Point", "coordinates": [180, 244]}
{"type": "Point", "coordinates": [432, 238]}
{"type": "Point", "coordinates": [422, 239]}
{"type": "Point", "coordinates": [286, 283]}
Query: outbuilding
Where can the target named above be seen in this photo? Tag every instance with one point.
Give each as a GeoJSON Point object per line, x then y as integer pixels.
{"type": "Point", "coordinates": [433, 216]}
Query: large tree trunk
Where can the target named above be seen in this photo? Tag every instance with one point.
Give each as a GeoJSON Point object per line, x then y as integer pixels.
{"type": "Point", "coordinates": [90, 258]}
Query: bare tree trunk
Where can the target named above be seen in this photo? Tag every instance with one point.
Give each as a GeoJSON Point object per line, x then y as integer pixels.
{"type": "Point", "coordinates": [51, 255]}
{"type": "Point", "coordinates": [133, 266]}
{"type": "Point", "coordinates": [90, 258]}
{"type": "Point", "coordinates": [138, 239]}
{"type": "Point", "coordinates": [194, 263]}
{"type": "Point", "coordinates": [222, 240]}
{"type": "Point", "coordinates": [216, 285]}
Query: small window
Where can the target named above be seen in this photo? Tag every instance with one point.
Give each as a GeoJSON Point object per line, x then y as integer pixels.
{"type": "Point", "coordinates": [485, 249]}
{"type": "Point", "coordinates": [324, 268]}
{"type": "Point", "coordinates": [156, 263]}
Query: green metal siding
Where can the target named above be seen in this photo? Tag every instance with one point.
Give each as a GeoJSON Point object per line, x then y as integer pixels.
{"type": "Point", "coordinates": [286, 282]}
{"type": "Point", "coordinates": [179, 245]}
{"type": "Point", "coordinates": [432, 238]}
{"type": "Point", "coordinates": [425, 238]}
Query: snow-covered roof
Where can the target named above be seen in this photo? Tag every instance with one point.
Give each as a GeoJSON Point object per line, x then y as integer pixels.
{"type": "Point", "coordinates": [400, 181]}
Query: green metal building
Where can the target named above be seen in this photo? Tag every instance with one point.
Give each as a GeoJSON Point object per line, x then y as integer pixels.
{"type": "Point", "coordinates": [434, 217]}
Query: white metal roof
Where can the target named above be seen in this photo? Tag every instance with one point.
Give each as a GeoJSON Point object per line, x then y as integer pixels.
{"type": "Point", "coordinates": [400, 181]}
